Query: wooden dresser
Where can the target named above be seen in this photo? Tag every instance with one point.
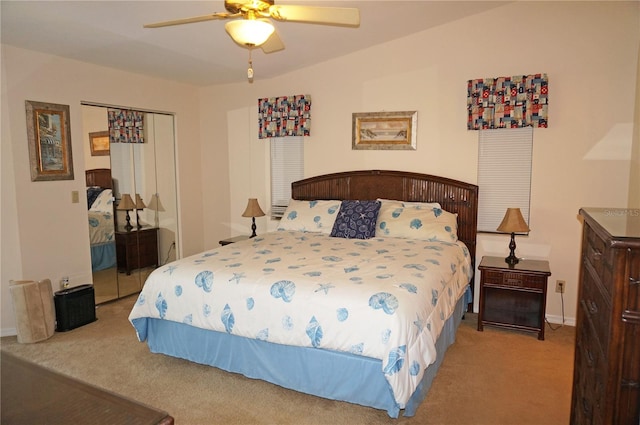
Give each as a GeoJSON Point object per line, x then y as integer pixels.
{"type": "Point", "coordinates": [606, 380]}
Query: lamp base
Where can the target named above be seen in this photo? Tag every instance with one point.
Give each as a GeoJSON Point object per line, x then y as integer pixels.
{"type": "Point", "coordinates": [512, 260]}
{"type": "Point", "coordinates": [128, 226]}
{"type": "Point", "coordinates": [253, 227]}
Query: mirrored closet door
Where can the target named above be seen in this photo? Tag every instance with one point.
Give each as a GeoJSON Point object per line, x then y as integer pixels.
{"type": "Point", "coordinates": [132, 204]}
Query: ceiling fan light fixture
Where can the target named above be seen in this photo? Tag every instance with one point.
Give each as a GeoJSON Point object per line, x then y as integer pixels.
{"type": "Point", "coordinates": [249, 32]}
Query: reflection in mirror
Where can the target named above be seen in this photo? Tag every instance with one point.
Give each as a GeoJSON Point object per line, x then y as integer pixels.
{"type": "Point", "coordinates": [161, 211]}
{"type": "Point", "coordinates": [143, 184]}
{"type": "Point", "coordinates": [101, 233]}
{"type": "Point", "coordinates": [124, 164]}
{"type": "Point", "coordinates": [100, 207]}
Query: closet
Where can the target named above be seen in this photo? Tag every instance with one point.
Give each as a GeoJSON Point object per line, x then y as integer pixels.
{"type": "Point", "coordinates": [139, 178]}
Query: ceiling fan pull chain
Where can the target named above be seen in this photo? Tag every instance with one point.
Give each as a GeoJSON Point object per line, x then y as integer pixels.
{"type": "Point", "coordinates": [250, 70]}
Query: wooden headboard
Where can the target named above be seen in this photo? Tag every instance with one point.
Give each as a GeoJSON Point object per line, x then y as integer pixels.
{"type": "Point", "coordinates": [454, 196]}
{"type": "Point", "coordinates": [99, 177]}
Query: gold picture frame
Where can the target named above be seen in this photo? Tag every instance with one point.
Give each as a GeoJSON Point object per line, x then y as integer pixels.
{"type": "Point", "coordinates": [49, 141]}
{"type": "Point", "coordinates": [384, 130]}
{"type": "Point", "coordinates": [99, 143]}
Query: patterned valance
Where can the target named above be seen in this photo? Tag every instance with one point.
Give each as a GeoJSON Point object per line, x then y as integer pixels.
{"type": "Point", "coordinates": [284, 116]}
{"type": "Point", "coordinates": [508, 102]}
{"type": "Point", "coordinates": [125, 126]}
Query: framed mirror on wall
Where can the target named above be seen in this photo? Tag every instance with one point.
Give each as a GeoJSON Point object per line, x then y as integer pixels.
{"type": "Point", "coordinates": [142, 207]}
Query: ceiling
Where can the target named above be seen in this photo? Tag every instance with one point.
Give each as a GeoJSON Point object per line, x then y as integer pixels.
{"type": "Point", "coordinates": [110, 33]}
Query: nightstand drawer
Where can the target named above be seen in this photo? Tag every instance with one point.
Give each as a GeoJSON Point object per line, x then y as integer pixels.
{"type": "Point", "coordinates": [515, 279]}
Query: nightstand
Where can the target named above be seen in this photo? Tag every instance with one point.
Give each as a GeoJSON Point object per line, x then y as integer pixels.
{"type": "Point", "coordinates": [136, 248]}
{"type": "Point", "coordinates": [233, 240]}
{"type": "Point", "coordinates": [513, 297]}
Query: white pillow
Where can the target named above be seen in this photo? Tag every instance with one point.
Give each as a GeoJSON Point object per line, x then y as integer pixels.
{"type": "Point", "coordinates": [427, 205]}
{"type": "Point", "coordinates": [104, 202]}
{"type": "Point", "coordinates": [416, 222]}
{"type": "Point", "coordinates": [310, 216]}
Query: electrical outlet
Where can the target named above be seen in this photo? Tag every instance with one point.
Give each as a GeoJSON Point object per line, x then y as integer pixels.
{"type": "Point", "coordinates": [560, 285]}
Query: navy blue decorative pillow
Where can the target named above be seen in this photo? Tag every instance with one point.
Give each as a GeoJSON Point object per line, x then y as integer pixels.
{"type": "Point", "coordinates": [92, 194]}
{"type": "Point", "coordinates": [356, 220]}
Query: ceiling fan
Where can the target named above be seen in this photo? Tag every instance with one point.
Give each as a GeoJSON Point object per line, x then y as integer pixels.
{"type": "Point", "coordinates": [250, 27]}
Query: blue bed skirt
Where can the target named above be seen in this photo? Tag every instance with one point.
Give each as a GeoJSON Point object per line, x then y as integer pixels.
{"type": "Point", "coordinates": [309, 370]}
{"type": "Point", "coordinates": [103, 256]}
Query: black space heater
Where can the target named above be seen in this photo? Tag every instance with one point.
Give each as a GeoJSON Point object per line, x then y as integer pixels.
{"type": "Point", "coordinates": [75, 307]}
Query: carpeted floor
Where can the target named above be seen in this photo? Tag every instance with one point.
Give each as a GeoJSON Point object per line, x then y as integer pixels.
{"type": "Point", "coordinates": [495, 377]}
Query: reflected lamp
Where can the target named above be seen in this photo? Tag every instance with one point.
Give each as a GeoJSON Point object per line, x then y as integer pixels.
{"type": "Point", "coordinates": [126, 204]}
{"type": "Point", "coordinates": [156, 206]}
{"type": "Point", "coordinates": [139, 206]}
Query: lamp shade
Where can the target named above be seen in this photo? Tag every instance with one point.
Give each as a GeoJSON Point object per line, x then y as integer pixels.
{"type": "Point", "coordinates": [253, 209]}
{"type": "Point", "coordinates": [126, 203]}
{"type": "Point", "coordinates": [513, 222]}
{"type": "Point", "coordinates": [155, 204]}
{"type": "Point", "coordinates": [249, 32]}
{"type": "Point", "coordinates": [139, 203]}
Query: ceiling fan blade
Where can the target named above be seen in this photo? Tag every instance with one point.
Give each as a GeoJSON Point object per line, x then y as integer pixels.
{"type": "Point", "coordinates": [202, 18]}
{"type": "Point", "coordinates": [337, 16]}
{"type": "Point", "coordinates": [273, 44]}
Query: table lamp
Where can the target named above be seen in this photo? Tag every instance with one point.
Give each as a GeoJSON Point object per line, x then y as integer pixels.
{"type": "Point", "coordinates": [126, 204]}
{"type": "Point", "coordinates": [513, 223]}
{"type": "Point", "coordinates": [253, 210]}
{"type": "Point", "coordinates": [139, 206]}
{"type": "Point", "coordinates": [156, 206]}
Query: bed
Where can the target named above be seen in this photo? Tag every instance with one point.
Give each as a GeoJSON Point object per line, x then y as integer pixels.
{"type": "Point", "coordinates": [101, 218]}
{"type": "Point", "coordinates": [360, 319]}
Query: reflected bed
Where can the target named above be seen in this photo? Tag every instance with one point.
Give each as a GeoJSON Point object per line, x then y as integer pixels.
{"type": "Point", "coordinates": [101, 218]}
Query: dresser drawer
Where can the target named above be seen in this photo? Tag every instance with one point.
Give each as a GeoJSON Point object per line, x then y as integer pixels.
{"type": "Point", "coordinates": [587, 404]}
{"type": "Point", "coordinates": [590, 381]}
{"type": "Point", "coordinates": [515, 279]}
{"type": "Point", "coordinates": [632, 303]}
{"type": "Point", "coordinates": [597, 309]}
{"type": "Point", "coordinates": [600, 257]}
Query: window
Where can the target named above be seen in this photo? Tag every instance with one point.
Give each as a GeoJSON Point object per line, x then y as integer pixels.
{"type": "Point", "coordinates": [504, 174]}
{"type": "Point", "coordinates": [287, 166]}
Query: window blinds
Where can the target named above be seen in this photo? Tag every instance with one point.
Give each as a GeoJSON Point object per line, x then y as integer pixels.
{"type": "Point", "coordinates": [504, 174]}
{"type": "Point", "coordinates": [287, 166]}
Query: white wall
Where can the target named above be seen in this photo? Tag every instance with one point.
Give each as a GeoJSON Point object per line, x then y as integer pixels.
{"type": "Point", "coordinates": [588, 49]}
{"type": "Point", "coordinates": [44, 235]}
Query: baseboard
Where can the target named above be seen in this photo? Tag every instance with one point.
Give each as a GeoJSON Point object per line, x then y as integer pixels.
{"type": "Point", "coordinates": [8, 332]}
{"type": "Point", "coordinates": [557, 320]}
